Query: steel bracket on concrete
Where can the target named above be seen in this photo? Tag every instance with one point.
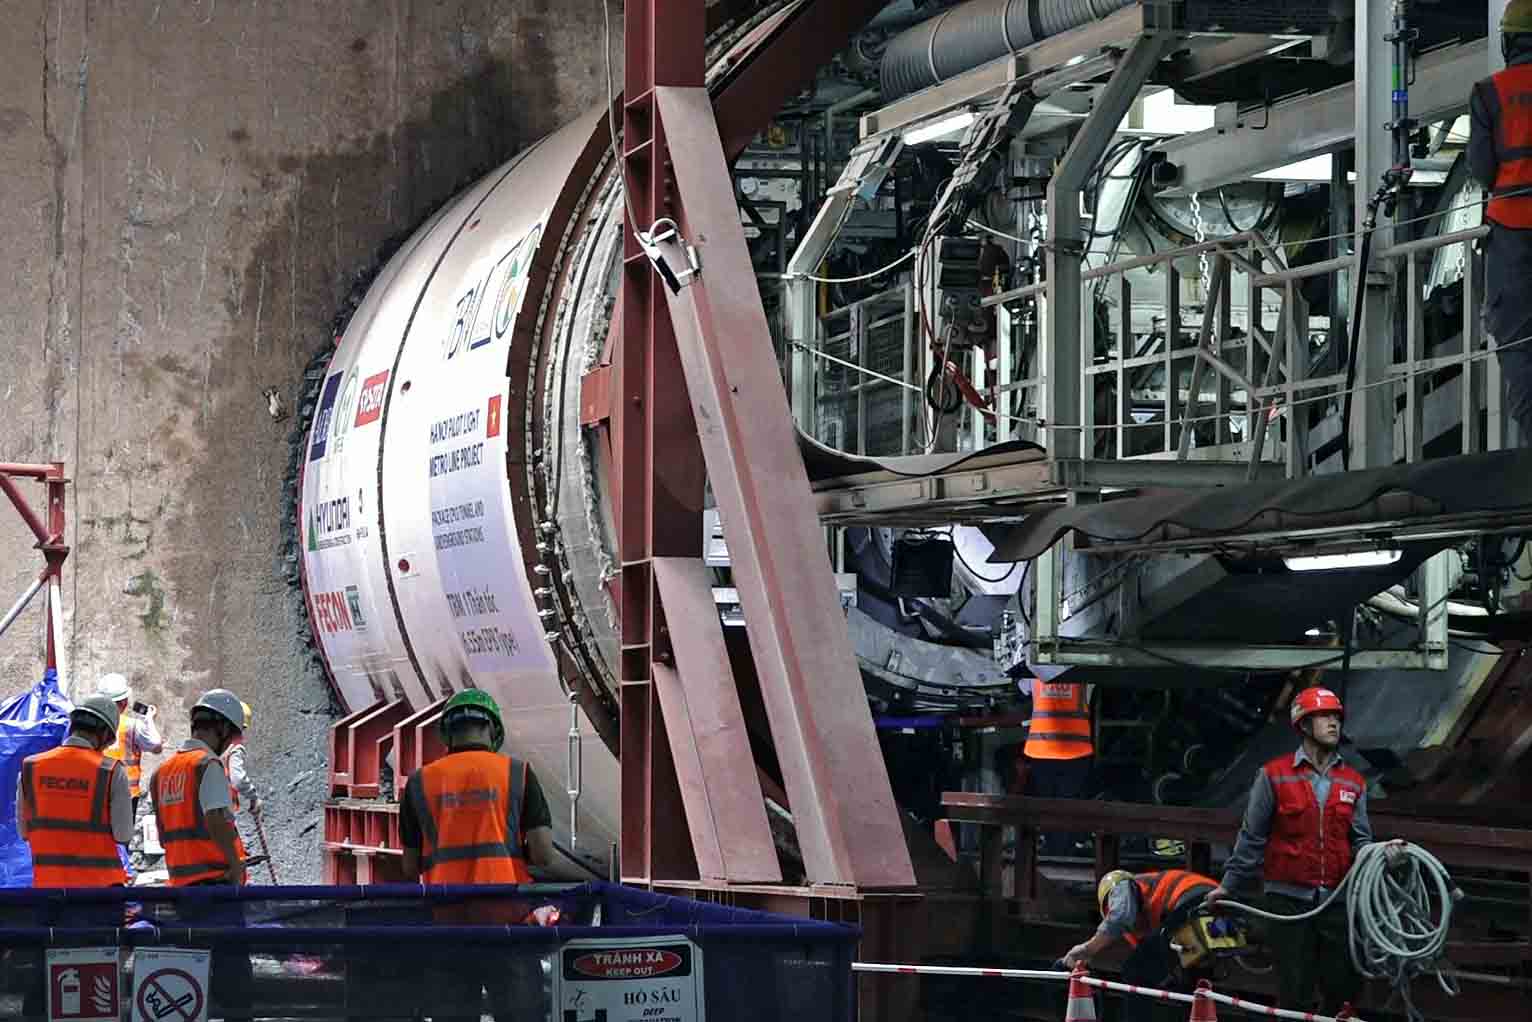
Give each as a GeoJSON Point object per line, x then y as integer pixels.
{"type": "Point", "coordinates": [48, 530]}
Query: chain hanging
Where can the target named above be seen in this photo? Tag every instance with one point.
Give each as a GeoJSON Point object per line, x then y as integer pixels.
{"type": "Point", "coordinates": [1199, 225]}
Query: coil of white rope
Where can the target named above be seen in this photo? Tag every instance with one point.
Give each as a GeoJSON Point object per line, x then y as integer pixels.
{"type": "Point", "coordinates": [1398, 910]}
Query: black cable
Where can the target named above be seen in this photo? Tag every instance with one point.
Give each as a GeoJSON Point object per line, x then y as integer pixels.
{"type": "Point", "coordinates": [982, 578]}
{"type": "Point", "coordinates": [1229, 216]}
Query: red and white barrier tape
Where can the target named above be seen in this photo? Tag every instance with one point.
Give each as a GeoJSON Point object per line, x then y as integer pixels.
{"type": "Point", "coordinates": [1104, 984]}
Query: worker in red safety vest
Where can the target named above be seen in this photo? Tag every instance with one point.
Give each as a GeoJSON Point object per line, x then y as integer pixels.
{"type": "Point", "coordinates": [1143, 911]}
{"type": "Point", "coordinates": [1500, 160]}
{"type": "Point", "coordinates": [1304, 823]}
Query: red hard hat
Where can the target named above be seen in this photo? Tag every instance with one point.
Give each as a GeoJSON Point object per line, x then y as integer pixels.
{"type": "Point", "coordinates": [1315, 700]}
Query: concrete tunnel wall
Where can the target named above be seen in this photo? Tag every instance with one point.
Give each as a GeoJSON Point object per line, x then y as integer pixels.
{"type": "Point", "coordinates": [190, 190]}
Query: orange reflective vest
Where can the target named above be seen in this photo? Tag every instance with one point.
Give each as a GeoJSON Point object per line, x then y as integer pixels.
{"type": "Point", "coordinates": [1510, 203]}
{"type": "Point", "coordinates": [67, 805]}
{"type": "Point", "coordinates": [468, 806]}
{"type": "Point", "coordinates": [1160, 894]}
{"type": "Point", "coordinates": [1060, 727]}
{"type": "Point", "coordinates": [132, 758]}
{"type": "Point", "coordinates": [191, 854]}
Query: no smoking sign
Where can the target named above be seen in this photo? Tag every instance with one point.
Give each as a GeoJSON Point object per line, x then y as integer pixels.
{"type": "Point", "coordinates": [170, 986]}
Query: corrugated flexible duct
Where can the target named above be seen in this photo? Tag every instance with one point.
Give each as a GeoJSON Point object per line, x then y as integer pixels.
{"type": "Point", "coordinates": [975, 33]}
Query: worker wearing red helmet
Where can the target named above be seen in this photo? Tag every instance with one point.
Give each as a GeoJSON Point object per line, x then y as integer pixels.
{"type": "Point", "coordinates": [1304, 823]}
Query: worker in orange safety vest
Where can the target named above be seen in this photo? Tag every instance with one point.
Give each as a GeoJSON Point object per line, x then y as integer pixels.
{"type": "Point", "coordinates": [193, 808]}
{"type": "Point", "coordinates": [1143, 911]}
{"type": "Point", "coordinates": [1500, 160]}
{"type": "Point", "coordinates": [476, 816]}
{"type": "Point", "coordinates": [74, 809]}
{"type": "Point", "coordinates": [1060, 750]}
{"type": "Point", "coordinates": [136, 732]}
{"type": "Point", "coordinates": [73, 804]}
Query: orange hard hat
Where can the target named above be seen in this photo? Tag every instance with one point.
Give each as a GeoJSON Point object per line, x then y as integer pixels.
{"type": "Point", "coordinates": [1315, 700]}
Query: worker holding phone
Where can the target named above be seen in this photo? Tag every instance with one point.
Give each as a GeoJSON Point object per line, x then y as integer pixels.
{"type": "Point", "coordinates": [136, 732]}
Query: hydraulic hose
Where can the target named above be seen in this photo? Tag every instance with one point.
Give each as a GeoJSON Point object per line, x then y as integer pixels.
{"type": "Point", "coordinates": [1398, 913]}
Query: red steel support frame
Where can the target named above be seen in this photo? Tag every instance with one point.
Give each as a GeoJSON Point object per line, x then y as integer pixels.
{"type": "Point", "coordinates": [708, 359]}
{"type": "Point", "coordinates": [50, 540]}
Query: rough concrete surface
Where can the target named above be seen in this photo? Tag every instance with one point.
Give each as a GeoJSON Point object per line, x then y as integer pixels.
{"type": "Point", "coordinates": [189, 189]}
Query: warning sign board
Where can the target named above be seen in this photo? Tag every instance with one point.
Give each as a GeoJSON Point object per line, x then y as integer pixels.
{"type": "Point", "coordinates": [632, 979]}
{"type": "Point", "coordinates": [170, 986]}
{"type": "Point", "coordinates": [84, 985]}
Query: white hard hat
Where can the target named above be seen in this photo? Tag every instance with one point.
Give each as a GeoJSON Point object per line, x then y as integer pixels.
{"type": "Point", "coordinates": [224, 703]}
{"type": "Point", "coordinates": [113, 686]}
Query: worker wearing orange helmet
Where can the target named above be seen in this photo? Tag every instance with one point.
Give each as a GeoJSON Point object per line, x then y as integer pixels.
{"type": "Point", "coordinates": [1304, 823]}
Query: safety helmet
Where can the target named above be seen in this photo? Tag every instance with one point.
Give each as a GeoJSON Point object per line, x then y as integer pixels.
{"type": "Point", "coordinates": [1314, 700]}
{"type": "Point", "coordinates": [102, 709]}
{"type": "Point", "coordinates": [224, 703]}
{"type": "Point", "coordinates": [1517, 17]}
{"type": "Point", "coordinates": [1111, 880]}
{"type": "Point", "coordinates": [114, 687]}
{"type": "Point", "coordinates": [248, 715]}
{"type": "Point", "coordinates": [473, 705]}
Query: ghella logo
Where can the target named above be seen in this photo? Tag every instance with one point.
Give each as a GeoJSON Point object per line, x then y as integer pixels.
{"type": "Point", "coordinates": [370, 405]}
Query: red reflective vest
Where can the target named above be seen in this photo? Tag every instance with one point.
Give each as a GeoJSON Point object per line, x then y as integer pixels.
{"type": "Point", "coordinates": [1060, 727]}
{"type": "Point", "coordinates": [191, 854]}
{"type": "Point", "coordinates": [1513, 148]}
{"type": "Point", "coordinates": [1307, 847]}
{"type": "Point", "coordinates": [1160, 894]}
{"type": "Point", "coordinates": [66, 798]}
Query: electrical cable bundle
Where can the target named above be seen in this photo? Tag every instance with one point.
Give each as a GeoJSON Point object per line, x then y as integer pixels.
{"type": "Point", "coordinates": [1398, 914]}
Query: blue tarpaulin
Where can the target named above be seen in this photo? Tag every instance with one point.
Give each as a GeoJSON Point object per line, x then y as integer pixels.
{"type": "Point", "coordinates": [32, 722]}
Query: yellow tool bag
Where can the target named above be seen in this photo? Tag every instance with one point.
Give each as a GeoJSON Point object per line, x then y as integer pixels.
{"type": "Point", "coordinates": [1204, 935]}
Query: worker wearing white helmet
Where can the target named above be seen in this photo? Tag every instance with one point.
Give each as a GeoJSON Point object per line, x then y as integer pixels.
{"type": "Point", "coordinates": [136, 731]}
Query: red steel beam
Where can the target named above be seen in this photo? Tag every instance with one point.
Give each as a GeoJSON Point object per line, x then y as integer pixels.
{"type": "Point", "coordinates": [24, 509]}
{"type": "Point", "coordinates": [785, 63]}
{"type": "Point", "coordinates": [659, 475]}
{"type": "Point", "coordinates": [843, 808]}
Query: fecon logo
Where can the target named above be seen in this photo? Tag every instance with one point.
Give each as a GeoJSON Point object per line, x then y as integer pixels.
{"type": "Point", "coordinates": [332, 612]}
{"type": "Point", "coordinates": [64, 783]}
{"type": "Point", "coordinates": [638, 963]}
{"type": "Point", "coordinates": [370, 405]}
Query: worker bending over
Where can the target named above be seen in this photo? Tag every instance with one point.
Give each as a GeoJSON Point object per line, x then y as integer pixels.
{"type": "Point", "coordinates": [1143, 911]}
{"type": "Point", "coordinates": [1500, 159]}
{"type": "Point", "coordinates": [136, 732]}
{"type": "Point", "coordinates": [1304, 823]}
{"type": "Point", "coordinates": [193, 808]}
{"type": "Point", "coordinates": [73, 808]}
{"type": "Point", "coordinates": [476, 816]}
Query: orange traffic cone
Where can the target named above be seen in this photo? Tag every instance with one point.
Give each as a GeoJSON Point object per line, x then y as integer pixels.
{"type": "Point", "coordinates": [1082, 1005]}
{"type": "Point", "coordinates": [1203, 1009]}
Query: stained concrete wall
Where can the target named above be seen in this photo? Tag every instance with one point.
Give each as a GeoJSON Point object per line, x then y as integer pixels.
{"type": "Point", "coordinates": [189, 189]}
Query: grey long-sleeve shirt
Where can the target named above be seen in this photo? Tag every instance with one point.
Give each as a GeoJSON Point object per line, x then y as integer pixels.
{"type": "Point", "coordinates": [1249, 855]}
{"type": "Point", "coordinates": [1121, 910]}
{"type": "Point", "coordinates": [120, 801]}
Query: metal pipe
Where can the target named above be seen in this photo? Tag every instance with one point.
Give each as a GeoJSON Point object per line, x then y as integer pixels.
{"type": "Point", "coordinates": [21, 604]}
{"type": "Point", "coordinates": [965, 37]}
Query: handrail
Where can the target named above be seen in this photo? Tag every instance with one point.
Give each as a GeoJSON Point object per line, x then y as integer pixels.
{"type": "Point", "coordinates": [1439, 241]}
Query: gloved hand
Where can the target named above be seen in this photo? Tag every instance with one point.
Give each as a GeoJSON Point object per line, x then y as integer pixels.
{"type": "Point", "coordinates": [1216, 895]}
{"type": "Point", "coordinates": [1075, 956]}
{"type": "Point", "coordinates": [1393, 851]}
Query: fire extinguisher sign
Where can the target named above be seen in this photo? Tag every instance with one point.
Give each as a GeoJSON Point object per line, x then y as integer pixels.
{"type": "Point", "coordinates": [630, 979]}
{"type": "Point", "coordinates": [84, 985]}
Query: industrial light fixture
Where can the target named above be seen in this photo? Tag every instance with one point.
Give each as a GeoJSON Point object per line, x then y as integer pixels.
{"type": "Point", "coordinates": [1335, 562]}
{"type": "Point", "coordinates": [953, 122]}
